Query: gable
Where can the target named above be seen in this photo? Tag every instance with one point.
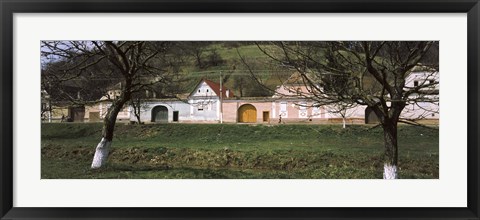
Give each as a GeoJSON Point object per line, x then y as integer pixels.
{"type": "Point", "coordinates": [209, 88]}
{"type": "Point", "coordinates": [203, 90]}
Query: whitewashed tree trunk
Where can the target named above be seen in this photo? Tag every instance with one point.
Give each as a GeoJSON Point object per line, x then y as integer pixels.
{"type": "Point", "coordinates": [101, 153]}
{"type": "Point", "coordinates": [390, 172]}
{"type": "Point", "coordinates": [344, 122]}
{"type": "Point", "coordinates": [390, 169]}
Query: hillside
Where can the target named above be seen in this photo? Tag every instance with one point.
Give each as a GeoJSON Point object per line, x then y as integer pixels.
{"type": "Point", "coordinates": [222, 59]}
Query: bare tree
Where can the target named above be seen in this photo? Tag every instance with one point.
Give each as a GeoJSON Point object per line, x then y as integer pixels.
{"type": "Point", "coordinates": [138, 105]}
{"type": "Point", "coordinates": [373, 74]}
{"type": "Point", "coordinates": [90, 66]}
{"type": "Point", "coordinates": [198, 50]}
{"type": "Point", "coordinates": [343, 109]}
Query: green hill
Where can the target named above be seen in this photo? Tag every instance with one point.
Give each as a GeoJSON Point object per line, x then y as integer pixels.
{"type": "Point", "coordinates": [224, 59]}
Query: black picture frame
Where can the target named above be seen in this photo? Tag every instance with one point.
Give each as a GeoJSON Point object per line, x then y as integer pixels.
{"type": "Point", "coordinates": [9, 7]}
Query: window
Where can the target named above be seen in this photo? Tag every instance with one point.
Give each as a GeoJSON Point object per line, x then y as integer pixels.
{"type": "Point", "coordinates": [415, 83]}
{"type": "Point", "coordinates": [432, 81]}
{"type": "Point", "coordinates": [207, 90]}
{"type": "Point", "coordinates": [202, 105]}
{"type": "Point", "coordinates": [283, 107]}
{"type": "Point", "coordinates": [199, 91]}
{"type": "Point", "coordinates": [303, 106]}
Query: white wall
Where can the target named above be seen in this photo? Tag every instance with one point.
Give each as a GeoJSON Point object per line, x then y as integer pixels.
{"type": "Point", "coordinates": [204, 109]}
{"type": "Point", "coordinates": [146, 110]}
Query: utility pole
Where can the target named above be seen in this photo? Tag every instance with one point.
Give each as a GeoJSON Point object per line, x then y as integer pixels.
{"type": "Point", "coordinates": [221, 98]}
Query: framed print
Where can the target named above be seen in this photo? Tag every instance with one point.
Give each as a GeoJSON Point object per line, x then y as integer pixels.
{"type": "Point", "coordinates": [231, 109]}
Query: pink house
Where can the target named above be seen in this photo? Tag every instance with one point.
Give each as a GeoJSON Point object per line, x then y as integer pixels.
{"type": "Point", "coordinates": [290, 103]}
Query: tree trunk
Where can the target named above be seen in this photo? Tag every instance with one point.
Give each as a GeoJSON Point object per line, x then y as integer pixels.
{"type": "Point", "coordinates": [103, 148]}
{"type": "Point", "coordinates": [138, 118]}
{"type": "Point", "coordinates": [101, 153]}
{"type": "Point", "coordinates": [344, 122]}
{"type": "Point", "coordinates": [241, 89]}
{"type": "Point", "coordinates": [49, 111]}
{"type": "Point", "coordinates": [390, 169]}
{"type": "Point", "coordinates": [137, 111]}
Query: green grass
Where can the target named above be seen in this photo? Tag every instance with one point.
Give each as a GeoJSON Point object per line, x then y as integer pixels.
{"type": "Point", "coordinates": [236, 151]}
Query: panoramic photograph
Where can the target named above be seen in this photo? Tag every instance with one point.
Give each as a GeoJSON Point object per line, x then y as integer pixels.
{"type": "Point", "coordinates": [239, 109]}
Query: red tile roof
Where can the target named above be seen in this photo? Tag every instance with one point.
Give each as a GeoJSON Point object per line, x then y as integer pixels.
{"type": "Point", "coordinates": [216, 88]}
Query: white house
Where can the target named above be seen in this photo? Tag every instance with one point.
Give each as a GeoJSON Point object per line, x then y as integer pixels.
{"type": "Point", "coordinates": [424, 101]}
{"type": "Point", "coordinates": [201, 105]}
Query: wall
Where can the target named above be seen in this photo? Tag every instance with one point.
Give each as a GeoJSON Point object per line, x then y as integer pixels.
{"type": "Point", "coordinates": [183, 109]}
{"type": "Point", "coordinates": [189, 112]}
{"type": "Point", "coordinates": [297, 111]}
{"type": "Point", "coordinates": [423, 78]}
{"type": "Point", "coordinates": [230, 109]}
{"type": "Point", "coordinates": [204, 109]}
{"type": "Point", "coordinates": [58, 112]}
{"type": "Point", "coordinates": [102, 109]}
{"type": "Point", "coordinates": [421, 110]}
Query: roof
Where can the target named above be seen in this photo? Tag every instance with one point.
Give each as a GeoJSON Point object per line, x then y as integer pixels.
{"type": "Point", "coordinates": [295, 78]}
{"type": "Point", "coordinates": [117, 86]}
{"type": "Point", "coordinates": [216, 88]}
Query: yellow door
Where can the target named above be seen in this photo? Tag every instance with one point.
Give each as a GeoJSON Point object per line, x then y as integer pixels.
{"type": "Point", "coordinates": [247, 113]}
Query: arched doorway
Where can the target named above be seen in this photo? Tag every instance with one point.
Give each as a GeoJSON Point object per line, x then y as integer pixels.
{"type": "Point", "coordinates": [160, 114]}
{"type": "Point", "coordinates": [247, 113]}
{"type": "Point", "coordinates": [370, 116]}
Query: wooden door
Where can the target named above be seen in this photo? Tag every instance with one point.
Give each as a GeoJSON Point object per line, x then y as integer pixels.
{"type": "Point", "coordinates": [160, 114]}
{"type": "Point", "coordinates": [77, 113]}
{"type": "Point", "coordinates": [266, 116]}
{"type": "Point", "coordinates": [94, 116]}
{"type": "Point", "coordinates": [371, 117]}
{"type": "Point", "coordinates": [247, 113]}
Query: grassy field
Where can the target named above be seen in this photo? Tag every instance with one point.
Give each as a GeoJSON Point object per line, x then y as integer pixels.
{"type": "Point", "coordinates": [218, 151]}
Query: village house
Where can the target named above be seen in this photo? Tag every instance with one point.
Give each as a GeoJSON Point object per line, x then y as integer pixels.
{"type": "Point", "coordinates": [60, 111]}
{"type": "Point", "coordinates": [211, 103]}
